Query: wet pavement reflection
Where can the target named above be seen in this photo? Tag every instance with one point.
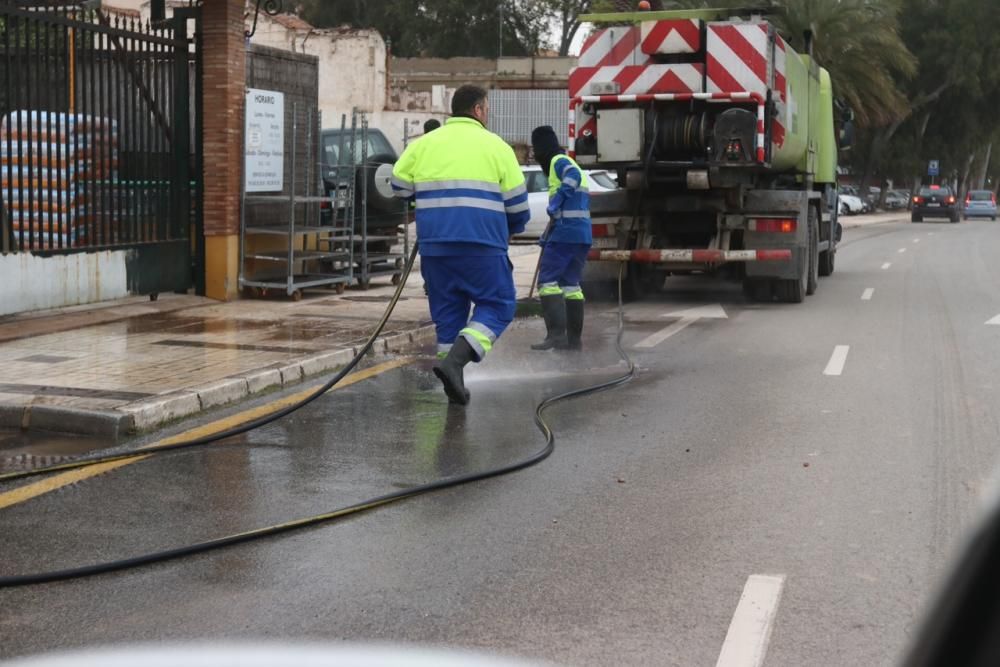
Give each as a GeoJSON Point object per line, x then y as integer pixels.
{"type": "Point", "coordinates": [393, 431]}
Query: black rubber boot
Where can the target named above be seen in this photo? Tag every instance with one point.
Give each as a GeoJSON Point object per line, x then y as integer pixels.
{"type": "Point", "coordinates": [450, 372]}
{"type": "Point", "coordinates": [554, 313]}
{"type": "Point", "coordinates": [574, 323]}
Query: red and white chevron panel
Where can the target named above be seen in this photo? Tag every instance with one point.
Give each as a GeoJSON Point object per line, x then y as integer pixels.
{"type": "Point", "coordinates": [738, 57]}
{"type": "Point", "coordinates": [613, 46]}
{"type": "Point", "coordinates": [671, 37]}
{"type": "Point", "coordinates": [638, 79]}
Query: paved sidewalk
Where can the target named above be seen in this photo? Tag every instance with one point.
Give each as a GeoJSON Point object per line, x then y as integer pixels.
{"type": "Point", "coordinates": [132, 365]}
{"type": "Point", "coordinates": [866, 219]}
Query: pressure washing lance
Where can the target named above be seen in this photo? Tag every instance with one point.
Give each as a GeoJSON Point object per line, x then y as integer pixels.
{"type": "Point", "coordinates": [257, 533]}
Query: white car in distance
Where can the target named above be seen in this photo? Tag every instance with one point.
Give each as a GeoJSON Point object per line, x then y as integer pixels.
{"type": "Point", "coordinates": [538, 197]}
{"type": "Point", "coordinates": [850, 204]}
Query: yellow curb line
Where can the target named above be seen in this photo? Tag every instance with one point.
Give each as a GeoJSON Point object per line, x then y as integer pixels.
{"type": "Point", "coordinates": [35, 489]}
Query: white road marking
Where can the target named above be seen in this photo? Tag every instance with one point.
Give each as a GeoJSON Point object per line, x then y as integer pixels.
{"type": "Point", "coordinates": [663, 334]}
{"type": "Point", "coordinates": [837, 360]}
{"type": "Point", "coordinates": [901, 250]}
{"type": "Point", "coordinates": [750, 630]}
{"type": "Point", "coordinates": [687, 318]}
{"type": "Point", "coordinates": [916, 240]}
{"type": "Point", "coordinates": [995, 320]}
{"type": "Point", "coordinates": [867, 295]}
{"type": "Point", "coordinates": [886, 265]}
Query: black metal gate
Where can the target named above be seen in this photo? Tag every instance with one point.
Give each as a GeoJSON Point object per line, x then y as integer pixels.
{"type": "Point", "coordinates": [96, 144]}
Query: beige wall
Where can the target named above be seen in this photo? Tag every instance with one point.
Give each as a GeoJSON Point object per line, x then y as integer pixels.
{"type": "Point", "coordinates": [351, 66]}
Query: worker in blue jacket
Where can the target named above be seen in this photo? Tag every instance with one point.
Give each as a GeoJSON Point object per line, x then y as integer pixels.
{"type": "Point", "coordinates": [565, 245]}
{"type": "Point", "coordinates": [470, 199]}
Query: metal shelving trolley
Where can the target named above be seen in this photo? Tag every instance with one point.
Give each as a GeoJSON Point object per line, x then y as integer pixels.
{"type": "Point", "coordinates": [303, 237]}
{"type": "Point", "coordinates": [381, 241]}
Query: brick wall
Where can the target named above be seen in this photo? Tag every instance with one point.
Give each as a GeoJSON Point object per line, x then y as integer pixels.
{"type": "Point", "coordinates": [225, 82]}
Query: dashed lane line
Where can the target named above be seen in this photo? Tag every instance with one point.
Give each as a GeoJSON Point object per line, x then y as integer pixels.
{"type": "Point", "coordinates": [750, 630]}
{"type": "Point", "coordinates": [837, 360]}
{"type": "Point", "coordinates": [867, 294]}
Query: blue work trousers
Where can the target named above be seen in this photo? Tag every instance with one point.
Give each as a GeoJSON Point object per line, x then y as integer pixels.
{"type": "Point", "coordinates": [456, 283]}
{"type": "Point", "coordinates": [562, 269]}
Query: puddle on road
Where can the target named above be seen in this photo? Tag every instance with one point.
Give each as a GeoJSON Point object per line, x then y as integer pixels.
{"type": "Point", "coordinates": [20, 449]}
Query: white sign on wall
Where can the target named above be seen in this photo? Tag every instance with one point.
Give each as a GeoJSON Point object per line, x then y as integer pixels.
{"type": "Point", "coordinates": [264, 166]}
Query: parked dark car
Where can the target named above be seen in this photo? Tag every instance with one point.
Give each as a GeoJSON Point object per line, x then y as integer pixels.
{"type": "Point", "coordinates": [335, 149]}
{"type": "Point", "coordinates": [980, 204]}
{"type": "Point", "coordinates": [935, 201]}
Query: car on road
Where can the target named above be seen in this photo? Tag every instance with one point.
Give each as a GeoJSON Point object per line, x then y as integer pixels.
{"type": "Point", "coordinates": [980, 204]}
{"type": "Point", "coordinates": [935, 201]}
{"type": "Point", "coordinates": [538, 196]}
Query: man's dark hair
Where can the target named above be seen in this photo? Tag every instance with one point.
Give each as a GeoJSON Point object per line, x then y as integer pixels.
{"type": "Point", "coordinates": [465, 100]}
{"type": "Point", "coordinates": [431, 125]}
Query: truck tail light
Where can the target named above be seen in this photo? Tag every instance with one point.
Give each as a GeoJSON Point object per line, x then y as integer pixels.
{"type": "Point", "coordinates": [778, 225]}
{"type": "Point", "coordinates": [602, 231]}
{"type": "Point", "coordinates": [734, 150]}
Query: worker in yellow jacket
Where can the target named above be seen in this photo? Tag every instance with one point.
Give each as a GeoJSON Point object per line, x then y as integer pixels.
{"type": "Point", "coordinates": [470, 199]}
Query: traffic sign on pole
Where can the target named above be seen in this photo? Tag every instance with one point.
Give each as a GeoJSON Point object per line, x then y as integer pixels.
{"type": "Point", "coordinates": [933, 168]}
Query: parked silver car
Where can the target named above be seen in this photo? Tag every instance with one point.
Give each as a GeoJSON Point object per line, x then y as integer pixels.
{"type": "Point", "coordinates": [538, 196]}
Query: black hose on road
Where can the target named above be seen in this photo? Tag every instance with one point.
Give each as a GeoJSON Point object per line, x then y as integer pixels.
{"type": "Point", "coordinates": [448, 482]}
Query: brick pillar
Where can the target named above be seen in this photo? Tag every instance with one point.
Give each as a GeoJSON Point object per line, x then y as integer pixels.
{"type": "Point", "coordinates": [224, 59]}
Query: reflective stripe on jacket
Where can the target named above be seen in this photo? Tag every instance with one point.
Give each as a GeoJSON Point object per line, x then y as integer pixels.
{"type": "Point", "coordinates": [468, 188]}
{"type": "Point", "coordinates": [569, 193]}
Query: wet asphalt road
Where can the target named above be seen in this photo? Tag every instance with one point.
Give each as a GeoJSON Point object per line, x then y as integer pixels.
{"type": "Point", "coordinates": [732, 454]}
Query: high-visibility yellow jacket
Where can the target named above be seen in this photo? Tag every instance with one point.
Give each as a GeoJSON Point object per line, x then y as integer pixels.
{"type": "Point", "coordinates": [569, 202]}
{"type": "Point", "coordinates": [469, 190]}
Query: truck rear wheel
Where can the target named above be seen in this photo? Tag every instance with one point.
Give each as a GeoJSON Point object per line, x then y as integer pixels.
{"type": "Point", "coordinates": [794, 291]}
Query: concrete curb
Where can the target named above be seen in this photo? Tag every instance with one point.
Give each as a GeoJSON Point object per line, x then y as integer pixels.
{"type": "Point", "coordinates": [109, 424]}
{"type": "Point", "coordinates": [849, 224]}
{"type": "Point", "coordinates": [148, 414]}
{"type": "Point", "coordinates": [151, 413]}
